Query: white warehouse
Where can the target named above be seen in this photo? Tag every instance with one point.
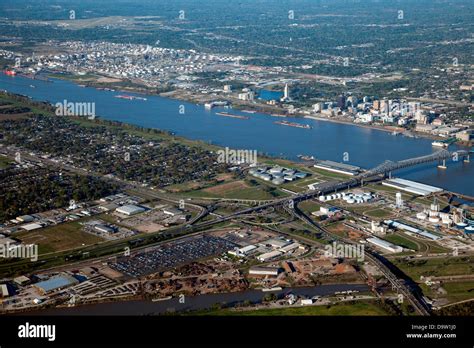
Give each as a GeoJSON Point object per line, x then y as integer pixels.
{"type": "Point", "coordinates": [269, 256]}
{"type": "Point", "coordinates": [385, 245]}
{"type": "Point", "coordinates": [130, 210]}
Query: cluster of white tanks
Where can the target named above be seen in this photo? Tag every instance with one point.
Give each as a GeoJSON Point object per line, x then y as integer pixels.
{"type": "Point", "coordinates": [350, 198]}
{"type": "Point", "coordinates": [435, 217]}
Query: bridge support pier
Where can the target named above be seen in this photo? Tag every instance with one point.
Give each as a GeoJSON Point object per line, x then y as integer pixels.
{"type": "Point", "coordinates": [442, 166]}
{"type": "Point", "coordinates": [390, 175]}
{"type": "Point", "coordinates": [467, 159]}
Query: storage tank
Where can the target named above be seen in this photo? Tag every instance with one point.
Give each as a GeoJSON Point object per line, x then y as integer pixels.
{"type": "Point", "coordinates": [421, 216]}
{"type": "Point", "coordinates": [328, 198]}
{"type": "Point", "coordinates": [351, 201]}
{"type": "Point", "coordinates": [447, 221]}
{"type": "Point", "coordinates": [322, 198]}
{"type": "Point", "coordinates": [433, 219]}
{"type": "Point", "coordinates": [278, 181]}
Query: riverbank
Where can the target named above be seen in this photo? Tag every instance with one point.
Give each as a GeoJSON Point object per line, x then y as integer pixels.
{"type": "Point", "coordinates": [354, 308]}
{"type": "Point", "coordinates": [399, 130]}
{"type": "Point", "coordinates": [190, 304]}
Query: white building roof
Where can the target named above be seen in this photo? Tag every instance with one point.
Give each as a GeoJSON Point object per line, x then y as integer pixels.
{"type": "Point", "coordinates": [276, 243]}
{"type": "Point", "coordinates": [130, 209]}
{"type": "Point", "coordinates": [247, 249]}
{"type": "Point", "coordinates": [270, 255]}
{"type": "Point", "coordinates": [31, 227]}
{"type": "Point", "coordinates": [290, 247]}
{"type": "Point", "coordinates": [384, 244]}
{"type": "Point", "coordinates": [412, 186]}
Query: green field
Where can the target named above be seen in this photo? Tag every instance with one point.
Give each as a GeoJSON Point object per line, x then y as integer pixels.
{"type": "Point", "coordinates": [346, 309]}
{"type": "Point", "coordinates": [238, 190]}
{"type": "Point", "coordinates": [378, 213]}
{"type": "Point", "coordinates": [402, 241]}
{"type": "Point", "coordinates": [459, 291]}
{"type": "Point", "coordinates": [58, 238]}
{"type": "Point", "coordinates": [4, 162]}
{"type": "Point", "coordinates": [436, 267]}
{"type": "Point", "coordinates": [309, 206]}
{"type": "Point", "coordinates": [328, 174]}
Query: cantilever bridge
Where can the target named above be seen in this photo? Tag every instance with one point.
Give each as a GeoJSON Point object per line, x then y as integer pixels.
{"type": "Point", "coordinates": [389, 166]}
{"type": "Point", "coordinates": [385, 168]}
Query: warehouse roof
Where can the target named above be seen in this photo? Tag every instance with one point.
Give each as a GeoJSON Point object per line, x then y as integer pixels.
{"type": "Point", "coordinates": [56, 282]}
{"type": "Point", "coordinates": [31, 227]}
{"type": "Point", "coordinates": [130, 209]}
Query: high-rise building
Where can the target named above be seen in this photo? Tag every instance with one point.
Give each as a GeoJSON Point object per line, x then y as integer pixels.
{"type": "Point", "coordinates": [317, 107]}
{"type": "Point", "coordinates": [341, 102]}
{"type": "Point", "coordinates": [384, 106]}
{"type": "Point", "coordinates": [286, 92]}
{"type": "Point", "coordinates": [250, 96]}
{"type": "Point", "coordinates": [377, 105]}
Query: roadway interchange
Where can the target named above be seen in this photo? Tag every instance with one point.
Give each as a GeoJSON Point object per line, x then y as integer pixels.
{"type": "Point", "coordinates": [193, 226]}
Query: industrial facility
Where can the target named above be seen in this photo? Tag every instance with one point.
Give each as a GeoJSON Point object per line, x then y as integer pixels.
{"type": "Point", "coordinates": [277, 175]}
{"type": "Point", "coordinates": [130, 210]}
{"type": "Point", "coordinates": [383, 244]}
{"type": "Point", "coordinates": [411, 186]}
{"type": "Point", "coordinates": [337, 167]}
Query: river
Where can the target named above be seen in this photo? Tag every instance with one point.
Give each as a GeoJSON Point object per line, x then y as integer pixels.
{"type": "Point", "coordinates": [326, 140]}
{"type": "Point", "coordinates": [142, 307]}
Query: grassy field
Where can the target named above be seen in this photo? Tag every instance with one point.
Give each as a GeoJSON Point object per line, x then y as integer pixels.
{"type": "Point", "coordinates": [14, 103]}
{"type": "Point", "coordinates": [459, 291]}
{"type": "Point", "coordinates": [378, 213]}
{"type": "Point", "coordinates": [4, 162]}
{"type": "Point", "coordinates": [402, 241]}
{"type": "Point", "coordinates": [309, 206]}
{"type": "Point", "coordinates": [436, 267]}
{"type": "Point", "coordinates": [329, 175]}
{"type": "Point", "coordinates": [436, 249]}
{"type": "Point", "coordinates": [58, 238]}
{"type": "Point", "coordinates": [359, 308]}
{"type": "Point", "coordinates": [236, 190]}
{"type": "Point", "coordinates": [74, 78]}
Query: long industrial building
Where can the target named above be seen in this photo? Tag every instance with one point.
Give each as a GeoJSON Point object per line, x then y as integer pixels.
{"type": "Point", "coordinates": [411, 186]}
{"type": "Point", "coordinates": [56, 283]}
{"type": "Point", "coordinates": [411, 229]}
{"type": "Point", "coordinates": [130, 210]}
{"type": "Point", "coordinates": [337, 167]}
{"type": "Point", "coordinates": [269, 256]}
{"type": "Point", "coordinates": [385, 245]}
{"type": "Point", "coordinates": [271, 271]}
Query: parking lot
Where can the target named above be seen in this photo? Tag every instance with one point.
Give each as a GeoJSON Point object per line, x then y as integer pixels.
{"type": "Point", "coordinates": [171, 255]}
